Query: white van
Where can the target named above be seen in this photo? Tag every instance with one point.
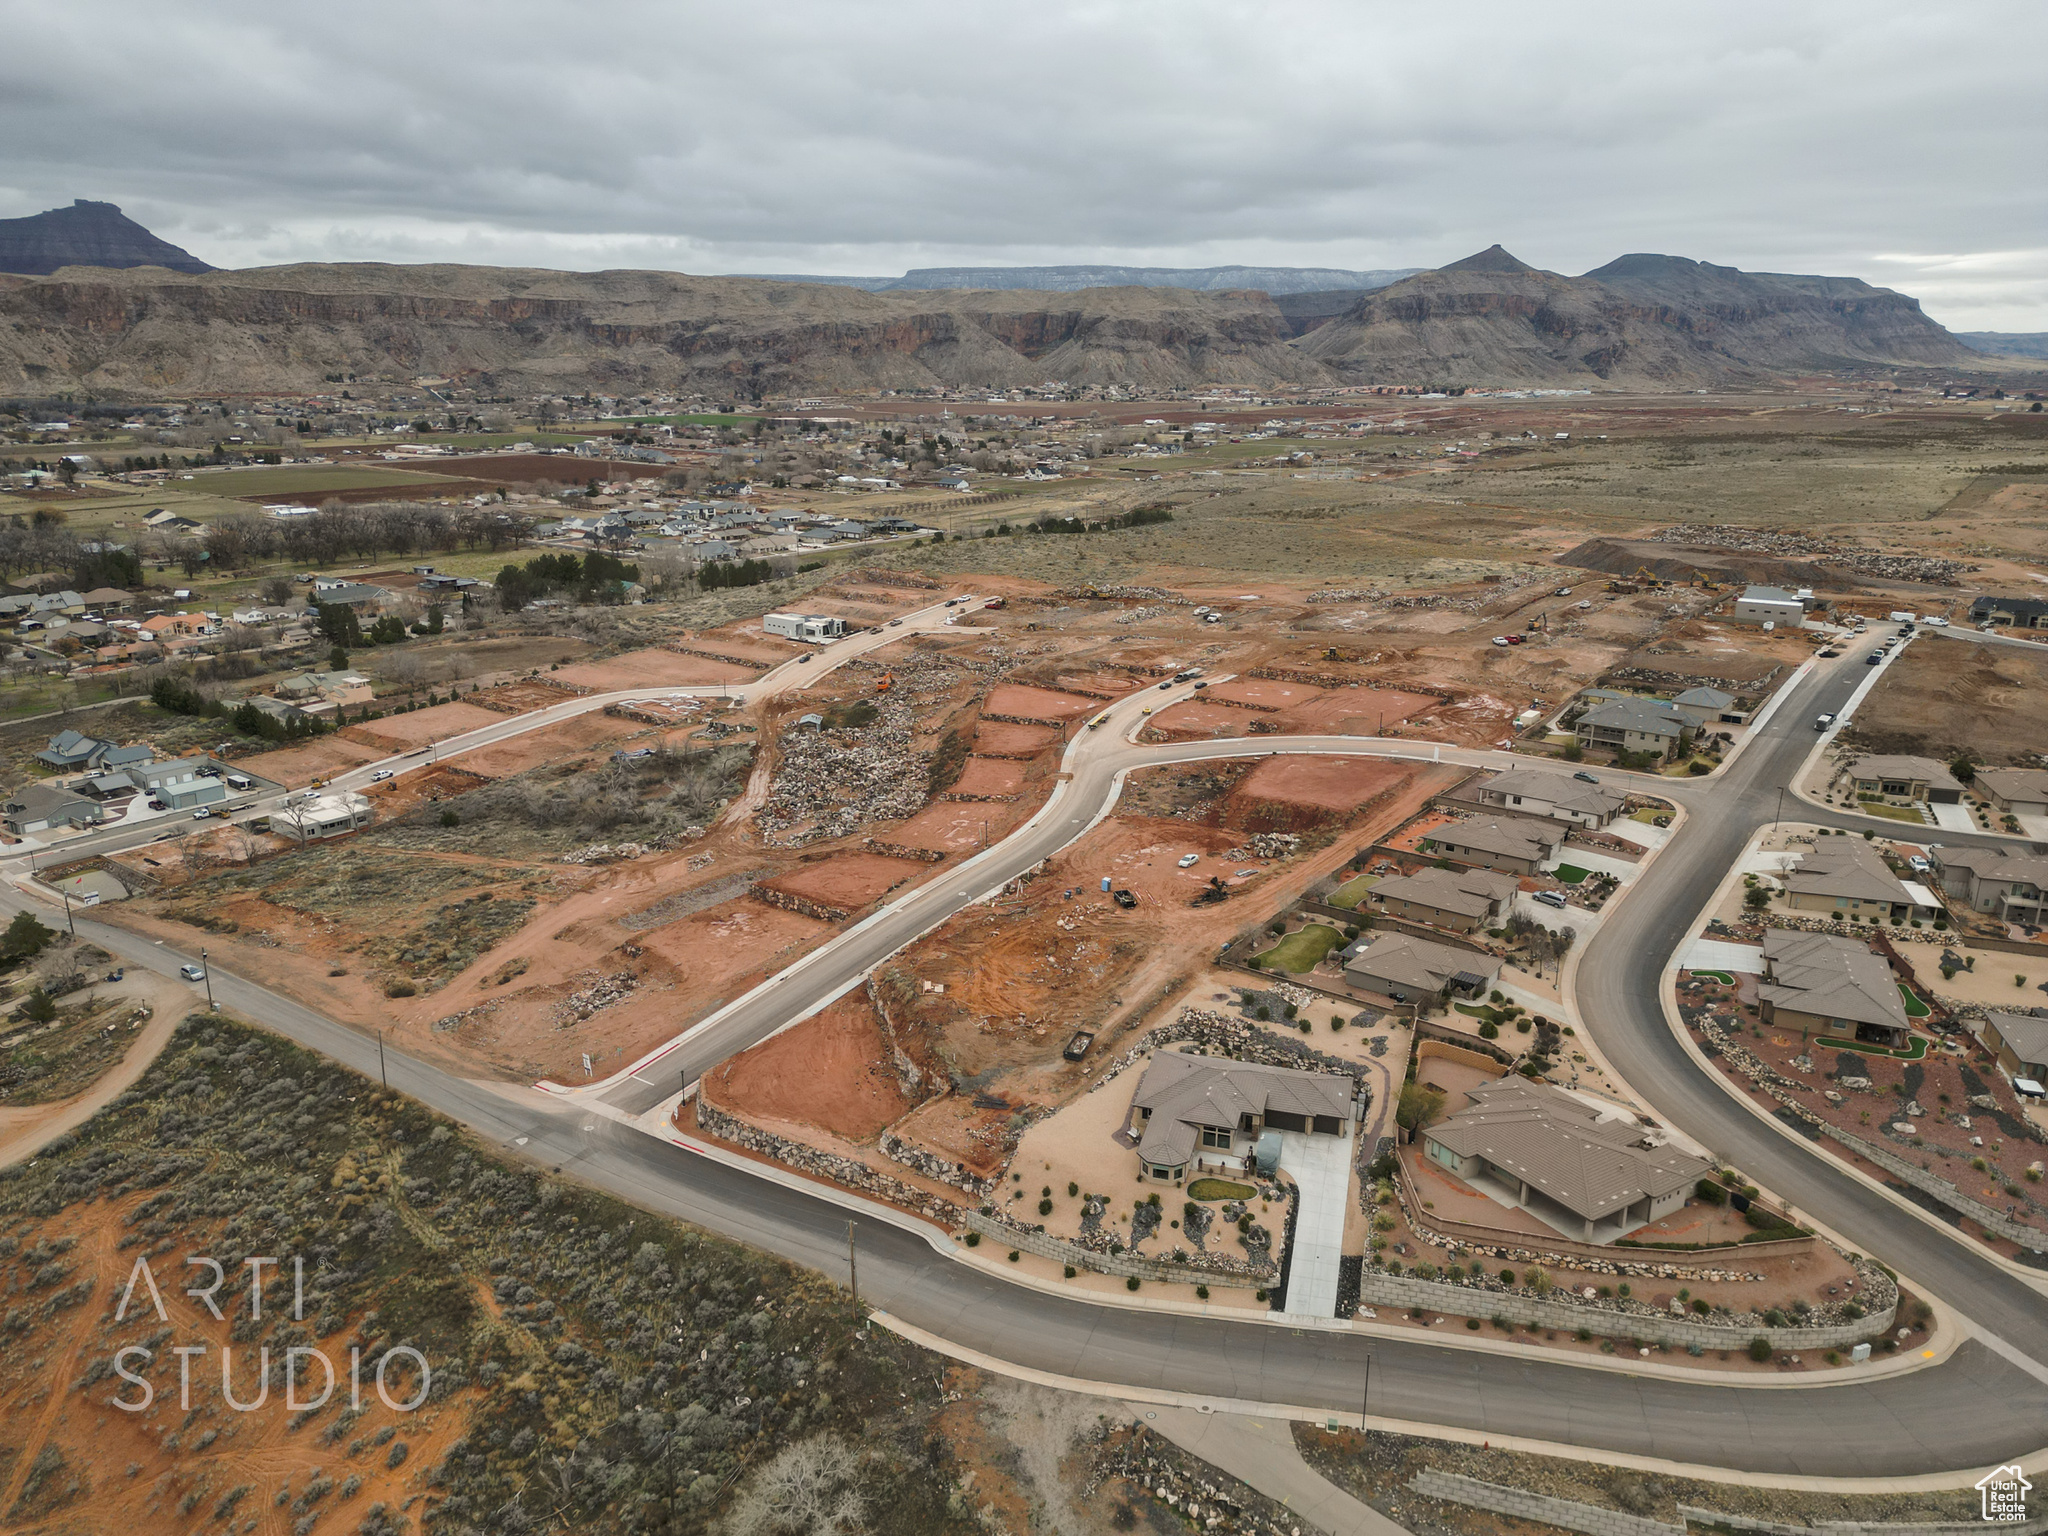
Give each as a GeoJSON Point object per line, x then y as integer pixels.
{"type": "Point", "coordinates": [240, 781]}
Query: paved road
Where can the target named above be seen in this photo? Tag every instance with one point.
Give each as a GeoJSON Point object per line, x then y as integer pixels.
{"type": "Point", "coordinates": [1975, 1408]}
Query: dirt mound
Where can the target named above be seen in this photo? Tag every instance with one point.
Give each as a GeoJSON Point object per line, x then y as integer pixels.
{"type": "Point", "coordinates": [831, 1071]}
{"type": "Point", "coordinates": [1685, 563]}
{"type": "Point", "coordinates": [1295, 794]}
{"type": "Point", "coordinates": [848, 881]}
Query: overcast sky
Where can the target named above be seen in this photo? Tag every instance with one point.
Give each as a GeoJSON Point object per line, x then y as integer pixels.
{"type": "Point", "coordinates": [1902, 143]}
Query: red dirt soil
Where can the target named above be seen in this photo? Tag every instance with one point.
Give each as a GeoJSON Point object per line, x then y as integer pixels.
{"type": "Point", "coordinates": [830, 1071]}
{"type": "Point", "coordinates": [401, 733]}
{"type": "Point", "coordinates": [297, 766]}
{"type": "Point", "coordinates": [565, 739]}
{"type": "Point", "coordinates": [1002, 736]}
{"type": "Point", "coordinates": [1036, 703]}
{"type": "Point", "coordinates": [1317, 783]}
{"type": "Point", "coordinates": [944, 827]}
{"type": "Point", "coordinates": [849, 880]}
{"type": "Point", "coordinates": [654, 668]}
{"type": "Point", "coordinates": [990, 776]}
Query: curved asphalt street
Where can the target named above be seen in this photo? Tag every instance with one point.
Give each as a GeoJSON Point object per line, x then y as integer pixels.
{"type": "Point", "coordinates": [1973, 1409]}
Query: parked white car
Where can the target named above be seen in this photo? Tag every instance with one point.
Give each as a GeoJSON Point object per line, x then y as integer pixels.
{"type": "Point", "coordinates": [1189, 861]}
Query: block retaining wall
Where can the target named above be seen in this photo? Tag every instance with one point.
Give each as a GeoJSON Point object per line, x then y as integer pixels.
{"type": "Point", "coordinates": [1377, 1288]}
{"type": "Point", "coordinates": [1566, 1514]}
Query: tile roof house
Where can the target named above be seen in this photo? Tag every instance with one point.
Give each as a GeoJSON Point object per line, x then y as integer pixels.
{"type": "Point", "coordinates": [1633, 725]}
{"type": "Point", "coordinates": [1192, 1109]}
{"type": "Point", "coordinates": [1537, 792]}
{"type": "Point", "coordinates": [1408, 968]}
{"type": "Point", "coordinates": [1462, 899]}
{"type": "Point", "coordinates": [2010, 885]}
{"type": "Point", "coordinates": [1847, 877]}
{"type": "Point", "coordinates": [1902, 779]}
{"type": "Point", "coordinates": [1833, 985]}
{"type": "Point", "coordinates": [2017, 791]}
{"type": "Point", "coordinates": [1592, 1172]}
{"type": "Point", "coordinates": [2019, 1041]}
{"type": "Point", "coordinates": [1511, 843]}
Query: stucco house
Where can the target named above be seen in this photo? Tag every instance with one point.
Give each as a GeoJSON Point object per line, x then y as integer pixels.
{"type": "Point", "coordinates": [1461, 899]}
{"type": "Point", "coordinates": [1825, 984]}
{"type": "Point", "coordinates": [1559, 796]}
{"type": "Point", "coordinates": [1902, 779]}
{"type": "Point", "coordinates": [1634, 725]}
{"type": "Point", "coordinates": [1190, 1111]}
{"type": "Point", "coordinates": [1511, 843]}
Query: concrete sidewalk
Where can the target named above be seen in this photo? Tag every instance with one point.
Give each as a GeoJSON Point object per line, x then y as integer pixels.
{"type": "Point", "coordinates": [1261, 1452]}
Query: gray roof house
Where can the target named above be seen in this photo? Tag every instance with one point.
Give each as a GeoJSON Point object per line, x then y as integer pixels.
{"type": "Point", "coordinates": [1708, 706]}
{"type": "Point", "coordinates": [2019, 1041]}
{"type": "Point", "coordinates": [1825, 982]}
{"type": "Point", "coordinates": [1190, 1109]}
{"type": "Point", "coordinates": [40, 807]}
{"type": "Point", "coordinates": [74, 749]}
{"type": "Point", "coordinates": [1847, 877]}
{"type": "Point", "coordinates": [1450, 898]}
{"type": "Point", "coordinates": [1511, 843]}
{"type": "Point", "coordinates": [1593, 1173]}
{"type": "Point", "coordinates": [1633, 725]}
{"type": "Point", "coordinates": [1410, 969]}
{"type": "Point", "coordinates": [2002, 881]}
{"type": "Point", "coordinates": [1559, 796]}
{"type": "Point", "coordinates": [2019, 791]}
{"type": "Point", "coordinates": [1902, 776]}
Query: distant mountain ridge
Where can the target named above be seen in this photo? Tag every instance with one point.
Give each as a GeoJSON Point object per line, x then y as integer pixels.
{"type": "Point", "coordinates": [86, 234]}
{"type": "Point", "coordinates": [2006, 343]}
{"type": "Point", "coordinates": [1071, 279]}
{"type": "Point", "coordinates": [1490, 319]}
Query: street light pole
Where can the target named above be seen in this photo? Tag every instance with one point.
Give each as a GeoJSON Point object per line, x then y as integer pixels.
{"type": "Point", "coordinates": [1365, 1398]}
{"type": "Point", "coordinates": [852, 1274]}
{"type": "Point", "coordinates": [381, 1077]}
{"type": "Point", "coordinates": [69, 921]}
{"type": "Point", "coordinates": [206, 971]}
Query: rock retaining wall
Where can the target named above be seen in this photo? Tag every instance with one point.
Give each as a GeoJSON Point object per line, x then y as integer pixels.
{"type": "Point", "coordinates": [1194, 1272]}
{"type": "Point", "coordinates": [932, 1166]}
{"type": "Point", "coordinates": [753, 663]}
{"type": "Point", "coordinates": [829, 1166]}
{"type": "Point", "coordinates": [802, 905]}
{"type": "Point", "coordinates": [903, 851]}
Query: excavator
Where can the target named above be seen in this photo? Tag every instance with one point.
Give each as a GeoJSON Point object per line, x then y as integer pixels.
{"type": "Point", "coordinates": [885, 682]}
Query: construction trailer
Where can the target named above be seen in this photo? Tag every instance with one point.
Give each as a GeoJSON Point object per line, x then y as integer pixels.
{"type": "Point", "coordinates": [804, 626]}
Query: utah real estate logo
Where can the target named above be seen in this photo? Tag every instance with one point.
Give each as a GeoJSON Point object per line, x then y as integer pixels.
{"type": "Point", "coordinates": [2005, 1495]}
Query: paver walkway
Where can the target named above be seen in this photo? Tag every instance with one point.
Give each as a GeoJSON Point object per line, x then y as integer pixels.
{"type": "Point", "coordinates": [1321, 1168]}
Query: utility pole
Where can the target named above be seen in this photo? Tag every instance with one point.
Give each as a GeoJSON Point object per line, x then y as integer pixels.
{"type": "Point", "coordinates": [852, 1274]}
{"type": "Point", "coordinates": [69, 921]}
{"type": "Point", "coordinates": [381, 1077]}
{"type": "Point", "coordinates": [206, 971]}
{"type": "Point", "coordinates": [1781, 808]}
{"type": "Point", "coordinates": [1365, 1398]}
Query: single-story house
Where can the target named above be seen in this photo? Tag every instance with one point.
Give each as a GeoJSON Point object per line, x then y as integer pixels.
{"type": "Point", "coordinates": [2019, 1041]}
{"type": "Point", "coordinates": [105, 785]}
{"type": "Point", "coordinates": [1462, 899]}
{"type": "Point", "coordinates": [2016, 791]}
{"type": "Point", "coordinates": [1831, 985]}
{"type": "Point", "coordinates": [1633, 725]}
{"type": "Point", "coordinates": [131, 756]}
{"type": "Point", "coordinates": [1410, 969]}
{"type": "Point", "coordinates": [1189, 1110]}
{"type": "Point", "coordinates": [1592, 1172]}
{"type": "Point", "coordinates": [328, 816]}
{"type": "Point", "coordinates": [350, 594]}
{"type": "Point", "coordinates": [1769, 605]}
{"type": "Point", "coordinates": [284, 711]}
{"type": "Point", "coordinates": [1847, 877]}
{"type": "Point", "coordinates": [1513, 844]}
{"type": "Point", "coordinates": [2011, 612]}
{"type": "Point", "coordinates": [2002, 881]}
{"type": "Point", "coordinates": [180, 784]}
{"type": "Point", "coordinates": [1708, 706]}
{"type": "Point", "coordinates": [108, 600]}
{"type": "Point", "coordinates": [1559, 796]}
{"type": "Point", "coordinates": [1902, 779]}
{"type": "Point", "coordinates": [40, 807]}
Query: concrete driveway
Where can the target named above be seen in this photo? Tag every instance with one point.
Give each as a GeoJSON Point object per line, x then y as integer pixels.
{"type": "Point", "coordinates": [1321, 1167]}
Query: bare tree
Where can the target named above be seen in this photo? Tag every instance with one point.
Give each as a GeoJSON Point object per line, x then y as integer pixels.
{"type": "Point", "coordinates": [807, 1490]}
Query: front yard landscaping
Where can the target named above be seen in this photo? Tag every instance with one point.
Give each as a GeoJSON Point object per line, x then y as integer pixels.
{"type": "Point", "coordinates": [1915, 1009]}
{"type": "Point", "coordinates": [1220, 1189]}
{"type": "Point", "coordinates": [1570, 874]}
{"type": "Point", "coordinates": [1913, 1052]}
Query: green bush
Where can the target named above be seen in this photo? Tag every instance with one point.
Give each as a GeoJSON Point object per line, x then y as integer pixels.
{"type": "Point", "coordinates": [1710, 1192]}
{"type": "Point", "coordinates": [1202, 1292]}
{"type": "Point", "coordinates": [1013, 1255]}
{"type": "Point", "coordinates": [1045, 1207]}
{"type": "Point", "coordinates": [1131, 1284]}
{"type": "Point", "coordinates": [974, 1239]}
{"type": "Point", "coordinates": [1759, 1349]}
{"type": "Point", "coordinates": [1068, 1271]}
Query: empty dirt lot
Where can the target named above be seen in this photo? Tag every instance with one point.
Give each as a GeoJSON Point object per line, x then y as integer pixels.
{"type": "Point", "coordinates": [1944, 696]}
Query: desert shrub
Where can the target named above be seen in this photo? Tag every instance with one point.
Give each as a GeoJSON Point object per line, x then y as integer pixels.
{"type": "Point", "coordinates": [1759, 1349]}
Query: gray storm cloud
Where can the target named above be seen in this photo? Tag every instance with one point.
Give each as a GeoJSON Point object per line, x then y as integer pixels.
{"type": "Point", "coordinates": [1898, 143]}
